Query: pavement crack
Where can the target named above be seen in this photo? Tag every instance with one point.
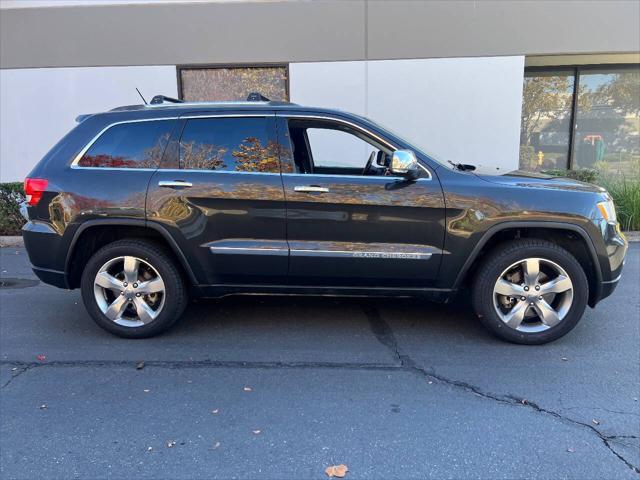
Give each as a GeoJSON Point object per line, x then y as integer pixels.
{"type": "Point", "coordinates": [22, 368]}
{"type": "Point", "coordinates": [200, 364]}
{"type": "Point", "coordinates": [383, 332]}
{"type": "Point", "coordinates": [619, 412]}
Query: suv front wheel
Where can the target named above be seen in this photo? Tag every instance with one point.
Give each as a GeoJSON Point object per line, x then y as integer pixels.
{"type": "Point", "coordinates": [133, 289]}
{"type": "Point", "coordinates": [530, 291]}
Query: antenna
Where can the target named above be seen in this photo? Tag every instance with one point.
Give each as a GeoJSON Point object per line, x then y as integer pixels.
{"type": "Point", "coordinates": [257, 97]}
{"type": "Point", "coordinates": [145, 102]}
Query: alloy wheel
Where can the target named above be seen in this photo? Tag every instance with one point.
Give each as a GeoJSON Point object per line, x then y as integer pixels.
{"type": "Point", "coordinates": [129, 291]}
{"type": "Point", "coordinates": [533, 295]}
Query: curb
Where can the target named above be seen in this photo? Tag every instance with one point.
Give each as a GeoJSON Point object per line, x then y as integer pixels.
{"type": "Point", "coordinates": [632, 236]}
{"type": "Point", "coordinates": [16, 241]}
{"type": "Point", "coordinates": [11, 241]}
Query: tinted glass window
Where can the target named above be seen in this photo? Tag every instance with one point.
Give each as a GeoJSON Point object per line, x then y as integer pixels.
{"type": "Point", "coordinates": [130, 145]}
{"type": "Point", "coordinates": [608, 121]}
{"type": "Point", "coordinates": [231, 144]}
{"type": "Point", "coordinates": [545, 129]}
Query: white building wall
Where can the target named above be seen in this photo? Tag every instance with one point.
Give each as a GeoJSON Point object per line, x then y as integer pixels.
{"type": "Point", "coordinates": [464, 109]}
{"type": "Point", "coordinates": [460, 109]}
{"type": "Point", "coordinates": [38, 106]}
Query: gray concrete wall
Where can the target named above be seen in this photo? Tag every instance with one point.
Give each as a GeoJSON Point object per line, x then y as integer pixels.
{"type": "Point", "coordinates": [169, 34]}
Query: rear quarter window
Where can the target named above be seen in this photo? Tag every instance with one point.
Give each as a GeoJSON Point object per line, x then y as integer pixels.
{"type": "Point", "coordinates": [130, 145]}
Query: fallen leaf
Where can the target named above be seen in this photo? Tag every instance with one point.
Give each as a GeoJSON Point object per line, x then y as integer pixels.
{"type": "Point", "coordinates": [570, 450]}
{"type": "Point", "coordinates": [140, 366]}
{"type": "Point", "coordinates": [171, 444]}
{"type": "Point", "coordinates": [215, 411]}
{"type": "Point", "coordinates": [256, 432]}
{"type": "Point", "coordinates": [595, 422]}
{"type": "Point", "coordinates": [41, 358]}
{"type": "Point", "coordinates": [215, 445]}
{"type": "Point", "coordinates": [248, 389]}
{"type": "Point", "coordinates": [336, 471]}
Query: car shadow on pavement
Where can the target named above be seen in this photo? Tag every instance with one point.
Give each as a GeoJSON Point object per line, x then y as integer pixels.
{"type": "Point", "coordinates": [330, 316]}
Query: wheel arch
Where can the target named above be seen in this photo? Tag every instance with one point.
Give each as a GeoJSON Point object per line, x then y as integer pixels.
{"type": "Point", "coordinates": [554, 231]}
{"type": "Point", "coordinates": [103, 231]}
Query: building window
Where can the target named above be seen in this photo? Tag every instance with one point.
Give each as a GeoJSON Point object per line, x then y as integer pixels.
{"type": "Point", "coordinates": [545, 128]}
{"type": "Point", "coordinates": [581, 117]}
{"type": "Point", "coordinates": [608, 120]}
{"type": "Point", "coordinates": [218, 84]}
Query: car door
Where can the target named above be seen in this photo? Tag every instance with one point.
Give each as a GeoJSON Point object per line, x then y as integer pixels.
{"type": "Point", "coordinates": [349, 229]}
{"type": "Point", "coordinates": [219, 194]}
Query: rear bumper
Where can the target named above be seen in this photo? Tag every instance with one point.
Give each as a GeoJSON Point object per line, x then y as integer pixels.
{"type": "Point", "coordinates": [47, 253]}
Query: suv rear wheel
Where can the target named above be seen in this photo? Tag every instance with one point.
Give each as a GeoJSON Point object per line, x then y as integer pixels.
{"type": "Point", "coordinates": [530, 291]}
{"type": "Point", "coordinates": [133, 289]}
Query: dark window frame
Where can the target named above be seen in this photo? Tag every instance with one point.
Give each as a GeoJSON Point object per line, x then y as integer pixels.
{"type": "Point", "coordinates": [576, 71]}
{"type": "Point", "coordinates": [209, 66]}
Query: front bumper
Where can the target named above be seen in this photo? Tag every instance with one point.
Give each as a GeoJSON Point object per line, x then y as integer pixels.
{"type": "Point", "coordinates": [51, 277]}
{"type": "Point", "coordinates": [616, 247]}
{"type": "Point", "coordinates": [609, 287]}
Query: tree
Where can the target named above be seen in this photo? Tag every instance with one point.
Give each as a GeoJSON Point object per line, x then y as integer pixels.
{"type": "Point", "coordinates": [544, 98]}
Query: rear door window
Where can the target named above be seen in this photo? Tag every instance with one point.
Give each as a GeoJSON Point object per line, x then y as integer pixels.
{"type": "Point", "coordinates": [230, 144]}
{"type": "Point", "coordinates": [130, 145]}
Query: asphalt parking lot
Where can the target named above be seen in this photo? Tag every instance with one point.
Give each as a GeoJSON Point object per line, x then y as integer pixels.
{"type": "Point", "coordinates": [282, 387]}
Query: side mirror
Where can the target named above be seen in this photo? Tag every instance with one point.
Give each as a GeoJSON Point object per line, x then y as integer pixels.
{"type": "Point", "coordinates": [405, 163]}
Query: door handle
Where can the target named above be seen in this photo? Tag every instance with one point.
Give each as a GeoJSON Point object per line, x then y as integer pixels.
{"type": "Point", "coordinates": [174, 184]}
{"type": "Point", "coordinates": [310, 188]}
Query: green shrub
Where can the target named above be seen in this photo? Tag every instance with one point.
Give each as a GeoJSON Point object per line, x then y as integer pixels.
{"type": "Point", "coordinates": [11, 195]}
{"type": "Point", "coordinates": [625, 192]}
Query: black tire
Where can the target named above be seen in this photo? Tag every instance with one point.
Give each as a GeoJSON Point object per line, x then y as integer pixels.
{"type": "Point", "coordinates": [175, 292]}
{"type": "Point", "coordinates": [505, 255]}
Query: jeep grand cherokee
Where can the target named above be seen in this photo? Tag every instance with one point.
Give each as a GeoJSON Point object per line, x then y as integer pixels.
{"type": "Point", "coordinates": [143, 206]}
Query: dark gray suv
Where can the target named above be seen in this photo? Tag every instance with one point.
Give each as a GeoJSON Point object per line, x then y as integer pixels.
{"type": "Point", "coordinates": [144, 206]}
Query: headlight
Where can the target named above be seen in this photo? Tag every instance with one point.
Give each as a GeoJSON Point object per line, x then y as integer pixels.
{"type": "Point", "coordinates": [608, 211]}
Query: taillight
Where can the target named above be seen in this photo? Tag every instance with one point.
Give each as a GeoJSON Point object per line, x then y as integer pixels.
{"type": "Point", "coordinates": [34, 188]}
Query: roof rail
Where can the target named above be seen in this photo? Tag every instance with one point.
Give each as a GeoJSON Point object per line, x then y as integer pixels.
{"type": "Point", "coordinates": [257, 97]}
{"type": "Point", "coordinates": [162, 99]}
